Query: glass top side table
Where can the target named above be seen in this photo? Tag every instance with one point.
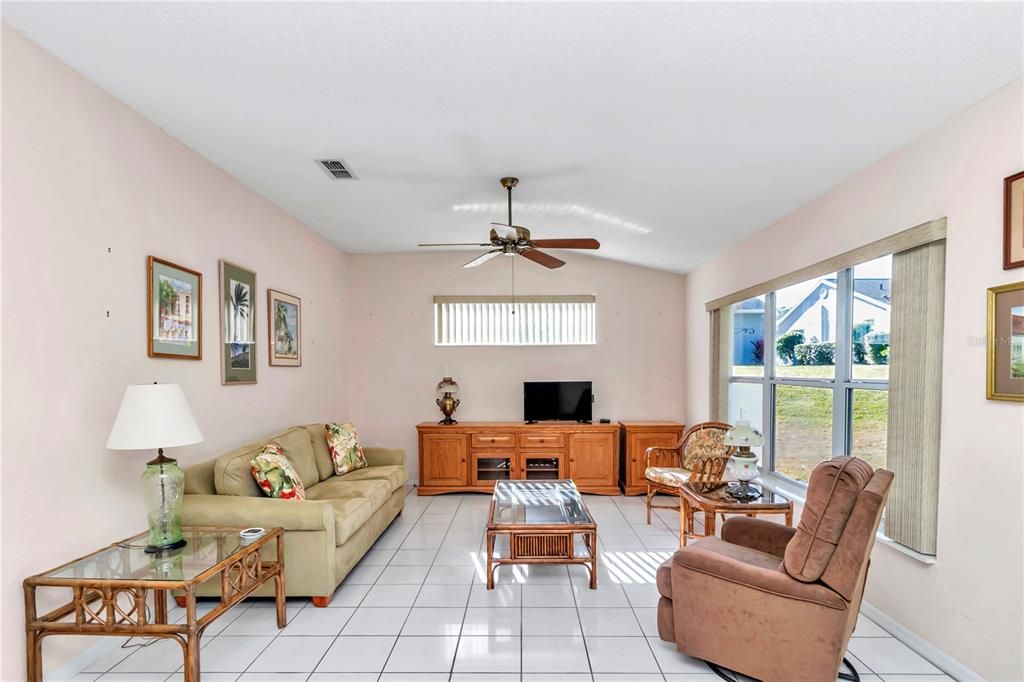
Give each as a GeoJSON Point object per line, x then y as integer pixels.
{"type": "Point", "coordinates": [112, 588]}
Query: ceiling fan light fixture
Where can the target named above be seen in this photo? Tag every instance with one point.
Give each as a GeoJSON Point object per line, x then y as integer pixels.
{"type": "Point", "coordinates": [510, 239]}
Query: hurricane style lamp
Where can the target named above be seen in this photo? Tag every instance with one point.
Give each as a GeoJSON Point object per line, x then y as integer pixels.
{"type": "Point", "coordinates": [157, 416]}
{"type": "Point", "coordinates": [743, 436]}
{"type": "Point", "coordinates": [446, 391]}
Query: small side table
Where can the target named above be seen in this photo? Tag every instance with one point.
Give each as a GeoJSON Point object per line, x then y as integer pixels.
{"type": "Point", "coordinates": [111, 586]}
{"type": "Point", "coordinates": [713, 498]}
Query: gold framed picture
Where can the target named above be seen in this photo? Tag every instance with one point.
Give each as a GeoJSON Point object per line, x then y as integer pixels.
{"type": "Point", "coordinates": [1005, 364]}
{"type": "Point", "coordinates": [284, 322]}
{"type": "Point", "coordinates": [1013, 221]}
{"type": "Point", "coordinates": [174, 311]}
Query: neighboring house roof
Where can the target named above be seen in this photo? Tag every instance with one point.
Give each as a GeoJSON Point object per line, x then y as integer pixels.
{"type": "Point", "coordinates": [1017, 324]}
{"type": "Point", "coordinates": [873, 292]}
{"type": "Point", "coordinates": [878, 288]}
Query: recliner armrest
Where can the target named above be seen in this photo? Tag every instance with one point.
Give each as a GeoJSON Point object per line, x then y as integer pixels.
{"type": "Point", "coordinates": [377, 457]}
{"type": "Point", "coordinates": [771, 581]}
{"type": "Point", "coordinates": [265, 512]}
{"type": "Point", "coordinates": [764, 536]}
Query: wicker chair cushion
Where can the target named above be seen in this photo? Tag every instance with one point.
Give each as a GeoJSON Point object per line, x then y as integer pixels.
{"type": "Point", "coordinates": [704, 443]}
{"type": "Point", "coordinates": [671, 476]}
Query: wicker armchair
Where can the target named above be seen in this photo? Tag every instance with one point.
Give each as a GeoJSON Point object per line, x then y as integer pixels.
{"type": "Point", "coordinates": [700, 455]}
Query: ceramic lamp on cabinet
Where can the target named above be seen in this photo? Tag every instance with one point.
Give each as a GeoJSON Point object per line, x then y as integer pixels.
{"type": "Point", "coordinates": [154, 417]}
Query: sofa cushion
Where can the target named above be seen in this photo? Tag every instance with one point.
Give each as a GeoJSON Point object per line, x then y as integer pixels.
{"type": "Point", "coordinates": [350, 513]}
{"type": "Point", "coordinates": [346, 452]}
{"type": "Point", "coordinates": [832, 492]}
{"type": "Point", "coordinates": [232, 471]}
{"type": "Point", "coordinates": [275, 474]}
{"type": "Point", "coordinates": [336, 488]}
{"type": "Point", "coordinates": [395, 475]}
{"type": "Point", "coordinates": [322, 456]}
{"type": "Point", "coordinates": [299, 449]}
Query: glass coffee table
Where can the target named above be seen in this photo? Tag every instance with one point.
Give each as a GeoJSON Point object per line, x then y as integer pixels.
{"type": "Point", "coordinates": [112, 589]}
{"type": "Point", "coordinates": [727, 497]}
{"type": "Point", "coordinates": [541, 520]}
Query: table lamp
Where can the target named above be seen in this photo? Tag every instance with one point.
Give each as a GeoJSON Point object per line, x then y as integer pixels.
{"type": "Point", "coordinates": [157, 416]}
{"type": "Point", "coordinates": [446, 391]}
{"type": "Point", "coordinates": [743, 436]}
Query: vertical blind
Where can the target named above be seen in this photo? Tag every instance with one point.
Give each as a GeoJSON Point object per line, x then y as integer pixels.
{"type": "Point", "coordinates": [915, 395]}
{"type": "Point", "coordinates": [519, 321]}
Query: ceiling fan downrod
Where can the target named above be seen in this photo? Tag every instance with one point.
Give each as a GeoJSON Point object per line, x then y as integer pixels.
{"type": "Point", "coordinates": [508, 184]}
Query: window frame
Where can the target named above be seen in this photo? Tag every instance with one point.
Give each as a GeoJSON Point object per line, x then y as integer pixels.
{"type": "Point", "coordinates": [842, 384]}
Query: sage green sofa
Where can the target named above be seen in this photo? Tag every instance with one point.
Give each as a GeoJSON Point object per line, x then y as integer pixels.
{"type": "Point", "coordinates": [326, 534]}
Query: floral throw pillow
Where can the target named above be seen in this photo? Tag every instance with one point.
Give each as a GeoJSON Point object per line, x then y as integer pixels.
{"type": "Point", "coordinates": [347, 453]}
{"type": "Point", "coordinates": [275, 475]}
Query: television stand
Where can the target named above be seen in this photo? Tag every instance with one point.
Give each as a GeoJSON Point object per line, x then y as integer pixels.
{"type": "Point", "coordinates": [471, 456]}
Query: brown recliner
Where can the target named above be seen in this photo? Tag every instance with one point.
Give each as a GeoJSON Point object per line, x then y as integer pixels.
{"type": "Point", "coordinates": [778, 603]}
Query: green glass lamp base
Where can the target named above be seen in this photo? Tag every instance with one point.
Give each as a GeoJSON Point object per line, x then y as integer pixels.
{"type": "Point", "coordinates": [157, 549]}
{"type": "Point", "coordinates": [163, 488]}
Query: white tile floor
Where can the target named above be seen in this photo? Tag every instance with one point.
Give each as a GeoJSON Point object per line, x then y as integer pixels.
{"type": "Point", "coordinates": [416, 608]}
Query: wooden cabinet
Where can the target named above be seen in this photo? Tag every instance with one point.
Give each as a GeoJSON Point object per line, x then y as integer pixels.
{"type": "Point", "coordinates": [471, 456]}
{"type": "Point", "coordinates": [443, 460]}
{"type": "Point", "coordinates": [637, 436]}
{"type": "Point", "coordinates": [592, 460]}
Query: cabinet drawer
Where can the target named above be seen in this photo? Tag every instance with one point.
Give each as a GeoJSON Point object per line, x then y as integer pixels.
{"type": "Point", "coordinates": [542, 440]}
{"type": "Point", "coordinates": [493, 440]}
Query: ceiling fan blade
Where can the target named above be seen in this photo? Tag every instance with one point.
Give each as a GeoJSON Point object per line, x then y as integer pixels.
{"type": "Point", "coordinates": [542, 258]}
{"type": "Point", "coordinates": [459, 244]}
{"type": "Point", "coordinates": [505, 231]}
{"type": "Point", "coordinates": [481, 259]}
{"type": "Point", "coordinates": [567, 243]}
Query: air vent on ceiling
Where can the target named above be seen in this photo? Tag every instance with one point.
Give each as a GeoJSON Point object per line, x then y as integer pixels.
{"type": "Point", "coordinates": [336, 169]}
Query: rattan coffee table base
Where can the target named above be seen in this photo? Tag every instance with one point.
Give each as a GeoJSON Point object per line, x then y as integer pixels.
{"type": "Point", "coordinates": [538, 546]}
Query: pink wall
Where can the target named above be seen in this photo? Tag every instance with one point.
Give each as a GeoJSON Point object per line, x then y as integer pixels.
{"type": "Point", "coordinates": [636, 364]}
{"type": "Point", "coordinates": [82, 174]}
{"type": "Point", "coordinates": [969, 602]}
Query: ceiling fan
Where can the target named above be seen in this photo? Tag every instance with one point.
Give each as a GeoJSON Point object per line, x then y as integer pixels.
{"type": "Point", "coordinates": [513, 240]}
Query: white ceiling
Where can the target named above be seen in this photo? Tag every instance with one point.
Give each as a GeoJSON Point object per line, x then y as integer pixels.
{"type": "Point", "coordinates": [667, 131]}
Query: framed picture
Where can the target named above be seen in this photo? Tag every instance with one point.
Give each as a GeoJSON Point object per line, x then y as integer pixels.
{"type": "Point", "coordinates": [1006, 342]}
{"type": "Point", "coordinates": [284, 320]}
{"type": "Point", "coordinates": [1013, 221]}
{"type": "Point", "coordinates": [237, 324]}
{"type": "Point", "coordinates": [174, 311]}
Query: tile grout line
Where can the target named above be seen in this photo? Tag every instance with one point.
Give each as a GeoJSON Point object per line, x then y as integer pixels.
{"type": "Point", "coordinates": [337, 636]}
{"type": "Point", "coordinates": [420, 590]}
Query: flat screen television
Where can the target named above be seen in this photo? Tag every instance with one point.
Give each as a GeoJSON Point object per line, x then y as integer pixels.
{"type": "Point", "coordinates": [557, 401]}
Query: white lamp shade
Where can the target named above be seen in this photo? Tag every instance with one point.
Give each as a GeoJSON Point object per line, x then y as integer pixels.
{"type": "Point", "coordinates": [153, 416]}
{"type": "Point", "coordinates": [743, 435]}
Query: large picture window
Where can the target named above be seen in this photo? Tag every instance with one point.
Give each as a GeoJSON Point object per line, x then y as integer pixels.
{"type": "Point", "coordinates": [809, 367]}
